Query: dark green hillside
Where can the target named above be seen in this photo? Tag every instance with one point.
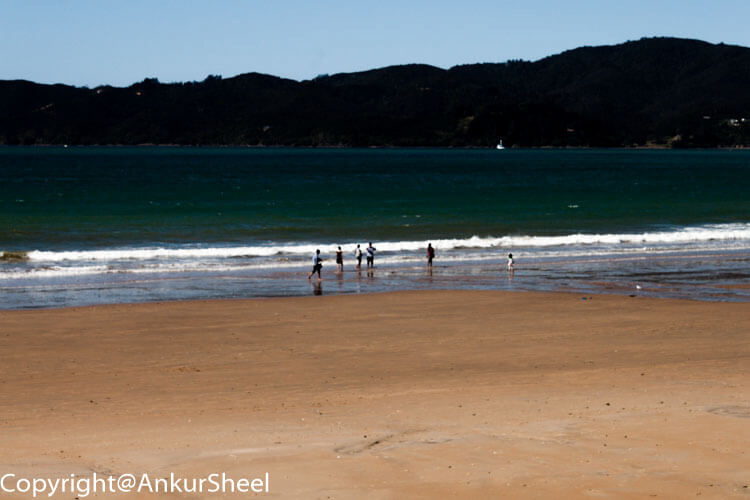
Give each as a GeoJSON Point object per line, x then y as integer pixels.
{"type": "Point", "coordinates": [657, 91]}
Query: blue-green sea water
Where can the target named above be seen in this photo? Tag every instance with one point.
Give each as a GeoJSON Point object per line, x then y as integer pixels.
{"type": "Point", "coordinates": [109, 224]}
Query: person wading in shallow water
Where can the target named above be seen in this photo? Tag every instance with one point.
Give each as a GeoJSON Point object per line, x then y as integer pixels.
{"type": "Point", "coordinates": [340, 260]}
{"type": "Point", "coordinates": [358, 256]}
{"type": "Point", "coordinates": [370, 255]}
{"type": "Point", "coordinates": [430, 254]}
{"type": "Point", "coordinates": [317, 265]}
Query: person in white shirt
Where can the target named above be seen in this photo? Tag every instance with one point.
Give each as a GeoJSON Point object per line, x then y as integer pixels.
{"type": "Point", "coordinates": [317, 265]}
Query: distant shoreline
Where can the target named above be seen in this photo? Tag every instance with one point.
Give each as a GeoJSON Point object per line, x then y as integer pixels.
{"type": "Point", "coordinates": [654, 92]}
{"type": "Point", "coordinates": [476, 148]}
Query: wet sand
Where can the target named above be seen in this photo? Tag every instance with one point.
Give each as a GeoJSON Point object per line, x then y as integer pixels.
{"type": "Point", "coordinates": [465, 394]}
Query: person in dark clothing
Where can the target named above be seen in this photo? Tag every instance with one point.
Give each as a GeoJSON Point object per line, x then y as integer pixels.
{"type": "Point", "coordinates": [358, 256]}
{"type": "Point", "coordinates": [370, 255]}
{"type": "Point", "coordinates": [340, 260]}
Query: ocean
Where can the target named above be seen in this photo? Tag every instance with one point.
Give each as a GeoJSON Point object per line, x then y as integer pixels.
{"type": "Point", "coordinates": [94, 225]}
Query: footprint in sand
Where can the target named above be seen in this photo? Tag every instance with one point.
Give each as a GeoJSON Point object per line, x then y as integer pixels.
{"type": "Point", "coordinates": [392, 440]}
{"type": "Point", "coordinates": [731, 411]}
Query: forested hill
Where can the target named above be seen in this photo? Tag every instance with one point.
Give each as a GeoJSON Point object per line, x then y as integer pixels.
{"type": "Point", "coordinates": [656, 91]}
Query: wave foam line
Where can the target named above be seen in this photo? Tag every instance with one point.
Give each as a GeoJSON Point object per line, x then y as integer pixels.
{"type": "Point", "coordinates": [400, 260]}
{"type": "Point", "coordinates": [717, 232]}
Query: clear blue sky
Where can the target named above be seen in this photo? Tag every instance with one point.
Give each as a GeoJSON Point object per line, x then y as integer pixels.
{"type": "Point", "coordinates": [93, 42]}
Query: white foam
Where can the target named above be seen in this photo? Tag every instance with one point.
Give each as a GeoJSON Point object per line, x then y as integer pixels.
{"type": "Point", "coordinates": [54, 272]}
{"type": "Point", "coordinates": [395, 258]}
{"type": "Point", "coordinates": [716, 232]}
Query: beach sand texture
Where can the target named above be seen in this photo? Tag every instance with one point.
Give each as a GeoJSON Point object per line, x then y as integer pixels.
{"type": "Point", "coordinates": [439, 394]}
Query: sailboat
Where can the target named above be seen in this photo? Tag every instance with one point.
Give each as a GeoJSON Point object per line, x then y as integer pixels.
{"type": "Point", "coordinates": [500, 145]}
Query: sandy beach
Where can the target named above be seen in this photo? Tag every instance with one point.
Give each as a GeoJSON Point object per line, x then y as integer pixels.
{"type": "Point", "coordinates": [439, 394]}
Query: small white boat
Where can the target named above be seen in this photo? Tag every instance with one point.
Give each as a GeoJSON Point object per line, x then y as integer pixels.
{"type": "Point", "coordinates": [500, 145]}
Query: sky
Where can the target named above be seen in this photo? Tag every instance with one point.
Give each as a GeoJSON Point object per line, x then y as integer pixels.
{"type": "Point", "coordinates": [98, 42]}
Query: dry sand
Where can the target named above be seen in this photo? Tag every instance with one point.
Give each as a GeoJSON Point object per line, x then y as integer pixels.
{"type": "Point", "coordinates": [437, 394]}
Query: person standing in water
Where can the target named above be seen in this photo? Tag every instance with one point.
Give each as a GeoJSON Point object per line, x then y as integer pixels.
{"type": "Point", "coordinates": [510, 262]}
{"type": "Point", "coordinates": [340, 260]}
{"type": "Point", "coordinates": [358, 256]}
{"type": "Point", "coordinates": [430, 254]}
{"type": "Point", "coordinates": [317, 265]}
{"type": "Point", "coordinates": [370, 255]}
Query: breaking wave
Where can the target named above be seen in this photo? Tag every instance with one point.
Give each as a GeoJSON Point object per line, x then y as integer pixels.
{"type": "Point", "coordinates": [718, 233]}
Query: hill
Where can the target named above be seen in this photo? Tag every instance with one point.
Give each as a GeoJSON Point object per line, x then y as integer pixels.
{"type": "Point", "coordinates": [655, 91]}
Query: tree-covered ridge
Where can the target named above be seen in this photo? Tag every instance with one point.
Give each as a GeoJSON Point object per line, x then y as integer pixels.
{"type": "Point", "coordinates": [656, 91]}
